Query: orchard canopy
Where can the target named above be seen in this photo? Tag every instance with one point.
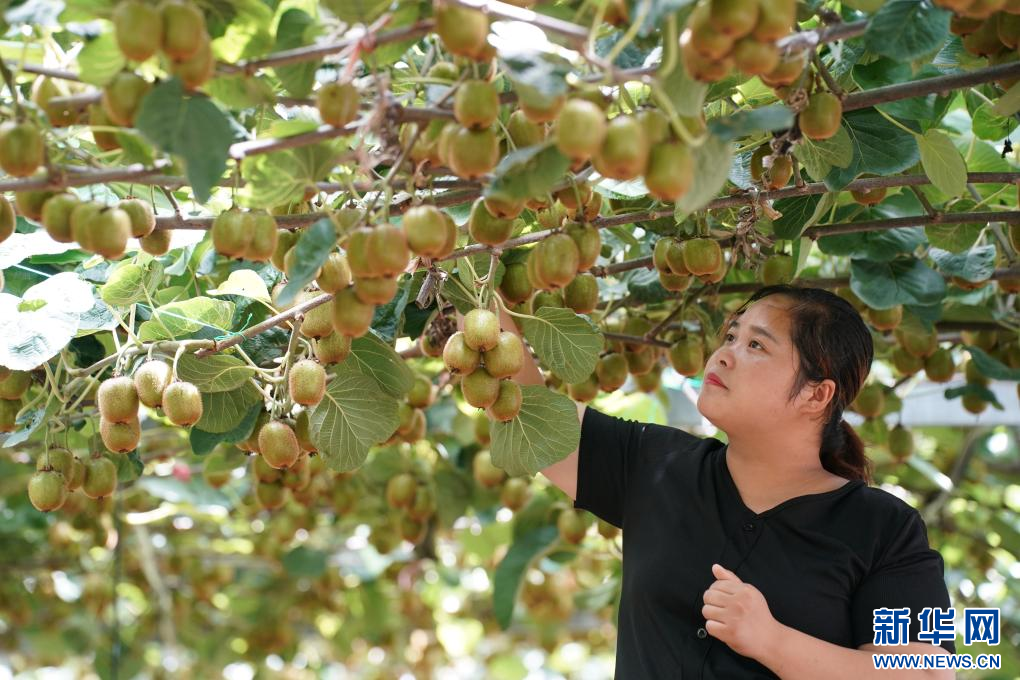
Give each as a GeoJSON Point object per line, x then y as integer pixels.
{"type": "Point", "coordinates": [259, 401]}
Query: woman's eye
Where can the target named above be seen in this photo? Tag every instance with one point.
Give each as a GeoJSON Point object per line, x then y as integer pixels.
{"type": "Point", "coordinates": [730, 335]}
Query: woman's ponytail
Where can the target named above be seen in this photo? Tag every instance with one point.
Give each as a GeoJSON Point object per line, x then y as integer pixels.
{"type": "Point", "coordinates": [842, 450]}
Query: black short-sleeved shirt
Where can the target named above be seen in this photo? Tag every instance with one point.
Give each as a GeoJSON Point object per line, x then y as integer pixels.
{"type": "Point", "coordinates": [823, 561]}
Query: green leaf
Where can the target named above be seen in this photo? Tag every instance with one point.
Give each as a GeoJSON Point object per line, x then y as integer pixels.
{"type": "Point", "coordinates": [296, 29]}
{"type": "Point", "coordinates": [904, 280]}
{"type": "Point", "coordinates": [178, 319]}
{"type": "Point", "coordinates": [511, 570]}
{"type": "Point", "coordinates": [374, 357]}
{"type": "Point", "coordinates": [203, 442]}
{"type": "Point", "coordinates": [454, 486]}
{"type": "Point", "coordinates": [955, 238]}
{"type": "Point", "coordinates": [974, 388]}
{"type": "Point", "coordinates": [568, 343]}
{"type": "Point", "coordinates": [942, 163]}
{"type": "Point", "coordinates": [32, 336]}
{"type": "Point", "coordinates": [819, 157]}
{"type": "Point", "coordinates": [544, 432]}
{"type": "Point", "coordinates": [190, 126]}
{"type": "Point", "coordinates": [907, 29]}
{"type": "Point", "coordinates": [743, 123]}
{"type": "Point", "coordinates": [977, 264]}
{"type": "Point", "coordinates": [173, 490]}
{"type": "Point", "coordinates": [543, 73]}
{"type": "Point", "coordinates": [984, 123]}
{"type": "Point", "coordinates": [240, 92]}
{"type": "Point", "coordinates": [884, 71]}
{"type": "Point", "coordinates": [282, 176]}
{"type": "Point", "coordinates": [216, 373]}
{"type": "Point", "coordinates": [879, 147]}
{"type": "Point", "coordinates": [357, 11]}
{"type": "Point", "coordinates": [712, 159]}
{"type": "Point", "coordinates": [225, 411]}
{"type": "Point", "coordinates": [644, 287]}
{"type": "Point", "coordinates": [244, 282]}
{"type": "Point", "coordinates": [312, 250]}
{"type": "Point", "coordinates": [129, 283]}
{"type": "Point", "coordinates": [100, 60]}
{"type": "Point", "coordinates": [685, 94]}
{"type": "Point", "coordinates": [1009, 103]}
{"type": "Point", "coordinates": [990, 366]}
{"type": "Point", "coordinates": [304, 561]}
{"type": "Point", "coordinates": [878, 246]}
{"type": "Point", "coordinates": [353, 415]}
{"type": "Point", "coordinates": [796, 212]}
{"type": "Point", "coordinates": [528, 172]}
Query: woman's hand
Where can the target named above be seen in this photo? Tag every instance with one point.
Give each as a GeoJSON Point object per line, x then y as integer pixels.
{"type": "Point", "coordinates": [737, 613]}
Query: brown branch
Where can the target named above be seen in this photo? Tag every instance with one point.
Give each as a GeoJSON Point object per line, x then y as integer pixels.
{"type": "Point", "coordinates": [204, 223]}
{"type": "Point", "coordinates": [573, 32]}
{"type": "Point", "coordinates": [1011, 217]}
{"type": "Point", "coordinates": [271, 322]}
{"type": "Point", "coordinates": [925, 203]}
{"type": "Point", "coordinates": [636, 339]}
{"type": "Point", "coordinates": [313, 52]}
{"type": "Point", "coordinates": [59, 74]}
{"type": "Point", "coordinates": [809, 40]}
{"type": "Point", "coordinates": [925, 86]}
{"type": "Point", "coordinates": [75, 177]}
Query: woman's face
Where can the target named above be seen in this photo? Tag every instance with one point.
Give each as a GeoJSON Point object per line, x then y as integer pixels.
{"type": "Point", "coordinates": [757, 363]}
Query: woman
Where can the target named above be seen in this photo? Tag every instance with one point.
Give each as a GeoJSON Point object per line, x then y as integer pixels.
{"type": "Point", "coordinates": [764, 557]}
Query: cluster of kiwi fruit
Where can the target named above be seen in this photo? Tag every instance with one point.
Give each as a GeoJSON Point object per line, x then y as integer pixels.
{"type": "Point", "coordinates": [560, 261]}
{"type": "Point", "coordinates": [282, 447]}
{"type": "Point", "coordinates": [97, 228]}
{"type": "Point", "coordinates": [414, 501]}
{"type": "Point", "coordinates": [246, 234]}
{"type": "Point", "coordinates": [987, 28]}
{"type": "Point", "coordinates": [618, 360]}
{"type": "Point", "coordinates": [13, 386]}
{"type": "Point", "coordinates": [154, 385]}
{"type": "Point", "coordinates": [59, 473]}
{"type": "Point", "coordinates": [721, 35]}
{"type": "Point", "coordinates": [679, 261]}
{"type": "Point", "coordinates": [22, 148]}
{"type": "Point", "coordinates": [485, 358]}
{"type": "Point", "coordinates": [176, 28]}
{"type": "Point", "coordinates": [274, 485]}
{"type": "Point", "coordinates": [411, 411]}
{"type": "Point", "coordinates": [630, 145]}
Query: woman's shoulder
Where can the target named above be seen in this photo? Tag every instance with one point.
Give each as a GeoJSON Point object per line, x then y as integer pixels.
{"type": "Point", "coordinates": [668, 438]}
{"type": "Point", "coordinates": [883, 519]}
{"type": "Point", "coordinates": [655, 438]}
{"type": "Point", "coordinates": [884, 502]}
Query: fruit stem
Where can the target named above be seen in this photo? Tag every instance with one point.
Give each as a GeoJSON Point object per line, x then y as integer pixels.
{"type": "Point", "coordinates": [177, 357]}
{"type": "Point", "coordinates": [669, 46]}
{"type": "Point", "coordinates": [674, 119]}
{"type": "Point", "coordinates": [490, 279]}
{"type": "Point", "coordinates": [502, 306]}
{"type": "Point", "coordinates": [52, 380]}
{"type": "Point", "coordinates": [826, 76]}
{"type": "Point", "coordinates": [474, 278]}
{"type": "Point", "coordinates": [9, 79]}
{"type": "Point", "coordinates": [600, 12]}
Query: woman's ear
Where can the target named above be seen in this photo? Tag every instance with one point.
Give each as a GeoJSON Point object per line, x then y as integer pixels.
{"type": "Point", "coordinates": [819, 395]}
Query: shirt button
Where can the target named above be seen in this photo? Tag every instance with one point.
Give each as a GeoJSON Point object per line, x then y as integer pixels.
{"type": "Point", "coordinates": [749, 526]}
{"type": "Point", "coordinates": [702, 633]}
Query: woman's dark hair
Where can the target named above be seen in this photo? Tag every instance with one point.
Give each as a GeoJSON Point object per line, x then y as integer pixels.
{"type": "Point", "coordinates": [833, 342]}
